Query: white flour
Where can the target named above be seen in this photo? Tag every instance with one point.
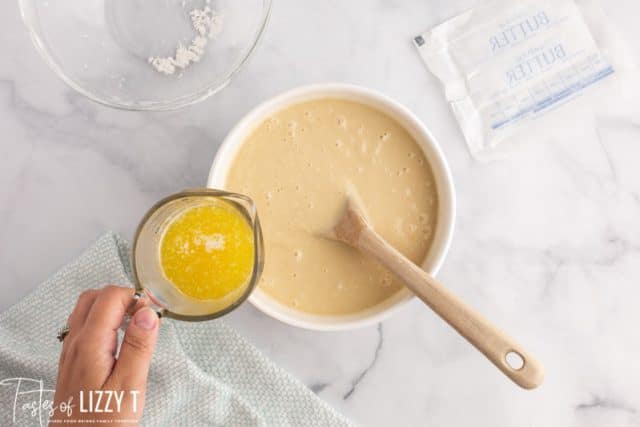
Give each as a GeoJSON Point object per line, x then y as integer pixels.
{"type": "Point", "coordinates": [207, 24]}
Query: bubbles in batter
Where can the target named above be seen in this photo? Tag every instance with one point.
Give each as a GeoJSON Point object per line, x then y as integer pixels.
{"type": "Point", "coordinates": [298, 180]}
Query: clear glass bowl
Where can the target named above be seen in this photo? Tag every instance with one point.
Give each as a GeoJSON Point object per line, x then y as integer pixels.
{"type": "Point", "coordinates": [102, 48]}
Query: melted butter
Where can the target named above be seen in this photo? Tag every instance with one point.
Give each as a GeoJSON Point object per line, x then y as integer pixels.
{"type": "Point", "coordinates": [207, 251]}
{"type": "Point", "coordinates": [297, 166]}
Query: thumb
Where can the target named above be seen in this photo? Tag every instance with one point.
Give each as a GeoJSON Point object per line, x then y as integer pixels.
{"type": "Point", "coordinates": [132, 366]}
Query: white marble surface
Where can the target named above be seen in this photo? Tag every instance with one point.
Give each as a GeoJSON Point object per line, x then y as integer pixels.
{"type": "Point", "coordinates": [547, 243]}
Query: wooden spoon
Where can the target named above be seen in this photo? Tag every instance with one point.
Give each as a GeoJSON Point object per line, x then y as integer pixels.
{"type": "Point", "coordinates": [509, 356]}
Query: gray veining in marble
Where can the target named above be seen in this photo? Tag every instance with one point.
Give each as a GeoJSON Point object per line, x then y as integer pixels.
{"type": "Point", "coordinates": [547, 242]}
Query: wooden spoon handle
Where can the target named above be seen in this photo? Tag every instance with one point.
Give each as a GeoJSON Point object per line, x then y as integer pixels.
{"type": "Point", "coordinates": [520, 366]}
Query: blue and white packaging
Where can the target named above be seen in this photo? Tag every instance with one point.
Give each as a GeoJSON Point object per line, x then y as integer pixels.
{"type": "Point", "coordinates": [506, 64]}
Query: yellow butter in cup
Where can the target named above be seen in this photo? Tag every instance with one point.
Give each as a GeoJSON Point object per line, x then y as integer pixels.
{"type": "Point", "coordinates": [207, 251]}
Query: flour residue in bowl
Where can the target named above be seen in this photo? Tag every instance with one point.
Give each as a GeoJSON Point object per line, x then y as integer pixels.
{"type": "Point", "coordinates": [206, 23]}
{"type": "Point", "coordinates": [298, 165]}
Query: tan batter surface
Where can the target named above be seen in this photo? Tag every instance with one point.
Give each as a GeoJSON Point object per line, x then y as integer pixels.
{"type": "Point", "coordinates": [297, 166]}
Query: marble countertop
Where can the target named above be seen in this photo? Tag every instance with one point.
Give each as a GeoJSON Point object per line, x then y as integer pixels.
{"type": "Point", "coordinates": [547, 241]}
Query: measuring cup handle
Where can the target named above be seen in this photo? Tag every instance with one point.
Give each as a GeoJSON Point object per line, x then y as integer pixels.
{"type": "Point", "coordinates": [133, 307]}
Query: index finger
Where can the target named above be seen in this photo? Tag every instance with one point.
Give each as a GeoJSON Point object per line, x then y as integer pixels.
{"type": "Point", "coordinates": [108, 311]}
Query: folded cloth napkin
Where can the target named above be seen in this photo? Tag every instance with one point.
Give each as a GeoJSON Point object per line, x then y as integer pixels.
{"type": "Point", "coordinates": [201, 374]}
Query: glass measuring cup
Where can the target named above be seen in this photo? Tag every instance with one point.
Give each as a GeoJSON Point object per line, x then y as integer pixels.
{"type": "Point", "coordinates": [148, 273]}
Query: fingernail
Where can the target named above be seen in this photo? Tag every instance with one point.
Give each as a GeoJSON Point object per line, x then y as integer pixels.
{"type": "Point", "coordinates": [146, 318]}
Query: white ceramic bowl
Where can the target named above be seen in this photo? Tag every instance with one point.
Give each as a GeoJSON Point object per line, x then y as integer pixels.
{"type": "Point", "coordinates": [444, 184]}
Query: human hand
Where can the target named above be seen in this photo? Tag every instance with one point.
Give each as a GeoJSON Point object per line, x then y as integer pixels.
{"type": "Point", "coordinates": [88, 368]}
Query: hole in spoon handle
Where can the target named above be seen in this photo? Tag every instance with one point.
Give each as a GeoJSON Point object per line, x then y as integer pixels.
{"type": "Point", "coordinates": [514, 360]}
{"type": "Point", "coordinates": [521, 367]}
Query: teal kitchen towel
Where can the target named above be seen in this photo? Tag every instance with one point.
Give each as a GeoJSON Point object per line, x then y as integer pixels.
{"type": "Point", "coordinates": [202, 373]}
